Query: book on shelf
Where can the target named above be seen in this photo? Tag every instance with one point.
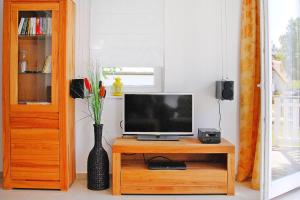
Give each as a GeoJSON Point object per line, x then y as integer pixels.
{"type": "Point", "coordinates": [21, 25]}
{"type": "Point", "coordinates": [38, 28]}
{"type": "Point", "coordinates": [32, 26]}
{"type": "Point", "coordinates": [35, 26]}
{"type": "Point", "coordinates": [49, 21]}
{"type": "Point", "coordinates": [27, 28]}
{"type": "Point", "coordinates": [47, 65]}
{"type": "Point", "coordinates": [24, 26]}
{"type": "Point", "coordinates": [42, 24]}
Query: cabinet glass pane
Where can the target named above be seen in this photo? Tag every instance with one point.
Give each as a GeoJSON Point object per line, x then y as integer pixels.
{"type": "Point", "coordinates": [34, 57]}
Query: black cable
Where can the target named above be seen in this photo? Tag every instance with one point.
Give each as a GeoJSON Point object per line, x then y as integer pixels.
{"type": "Point", "coordinates": [121, 124]}
{"type": "Point", "coordinates": [145, 161]}
{"type": "Point", "coordinates": [155, 157]}
{"type": "Point", "coordinates": [107, 142]}
{"type": "Point", "coordinates": [220, 115]}
{"type": "Point", "coordinates": [159, 157]}
{"type": "Point", "coordinates": [129, 154]}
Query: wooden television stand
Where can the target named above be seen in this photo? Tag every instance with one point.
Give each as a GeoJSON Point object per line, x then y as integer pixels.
{"type": "Point", "coordinates": [210, 167]}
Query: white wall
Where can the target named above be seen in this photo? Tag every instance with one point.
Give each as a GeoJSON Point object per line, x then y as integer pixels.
{"type": "Point", "coordinates": [193, 60]}
{"type": "Point", "coordinates": [194, 33]}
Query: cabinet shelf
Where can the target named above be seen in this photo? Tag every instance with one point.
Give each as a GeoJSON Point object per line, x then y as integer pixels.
{"type": "Point", "coordinates": [139, 165]}
{"type": "Point", "coordinates": [37, 73]}
{"type": "Point", "coordinates": [34, 37]}
{"type": "Point", "coordinates": [34, 102]}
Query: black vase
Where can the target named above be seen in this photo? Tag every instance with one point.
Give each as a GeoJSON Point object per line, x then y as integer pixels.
{"type": "Point", "coordinates": [98, 163]}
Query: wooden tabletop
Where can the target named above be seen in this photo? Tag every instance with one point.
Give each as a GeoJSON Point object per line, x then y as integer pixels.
{"type": "Point", "coordinates": [184, 145]}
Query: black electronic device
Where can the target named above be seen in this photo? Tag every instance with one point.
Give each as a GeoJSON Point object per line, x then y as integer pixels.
{"type": "Point", "coordinates": [161, 116]}
{"type": "Point", "coordinates": [166, 165]}
{"type": "Point", "coordinates": [224, 90]}
{"type": "Point", "coordinates": [77, 88]}
{"type": "Point", "coordinates": [209, 135]}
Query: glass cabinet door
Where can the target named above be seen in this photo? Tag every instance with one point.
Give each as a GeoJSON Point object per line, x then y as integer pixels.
{"type": "Point", "coordinates": [33, 62]}
{"type": "Point", "coordinates": [34, 57]}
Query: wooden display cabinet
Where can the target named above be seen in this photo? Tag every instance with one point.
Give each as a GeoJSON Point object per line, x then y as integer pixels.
{"type": "Point", "coordinates": [38, 112]}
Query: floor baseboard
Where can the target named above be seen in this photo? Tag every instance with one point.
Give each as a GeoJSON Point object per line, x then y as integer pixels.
{"type": "Point", "coordinates": [82, 176]}
{"type": "Point", "coordinates": [79, 176]}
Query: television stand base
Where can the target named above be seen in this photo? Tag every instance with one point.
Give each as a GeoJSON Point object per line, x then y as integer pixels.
{"type": "Point", "coordinates": [209, 167]}
{"type": "Point", "coordinates": [158, 137]}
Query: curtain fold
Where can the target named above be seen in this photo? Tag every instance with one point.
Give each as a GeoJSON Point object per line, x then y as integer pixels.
{"type": "Point", "coordinates": [249, 154]}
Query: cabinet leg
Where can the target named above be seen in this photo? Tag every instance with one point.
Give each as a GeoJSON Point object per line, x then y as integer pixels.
{"type": "Point", "coordinates": [116, 182]}
{"type": "Point", "coordinates": [230, 173]}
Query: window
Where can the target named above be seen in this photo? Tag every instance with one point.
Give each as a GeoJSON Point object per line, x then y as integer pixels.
{"type": "Point", "coordinates": [135, 79]}
{"type": "Point", "coordinates": [127, 38]}
{"type": "Point", "coordinates": [133, 76]}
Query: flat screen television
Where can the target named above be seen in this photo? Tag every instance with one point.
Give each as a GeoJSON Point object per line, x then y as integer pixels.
{"type": "Point", "coordinates": [158, 115]}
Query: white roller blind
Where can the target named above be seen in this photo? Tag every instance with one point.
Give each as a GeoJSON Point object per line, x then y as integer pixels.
{"type": "Point", "coordinates": [127, 33]}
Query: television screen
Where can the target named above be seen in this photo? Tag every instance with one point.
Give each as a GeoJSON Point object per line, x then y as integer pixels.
{"type": "Point", "coordinates": [158, 114]}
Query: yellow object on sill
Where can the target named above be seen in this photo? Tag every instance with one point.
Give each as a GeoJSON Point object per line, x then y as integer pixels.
{"type": "Point", "coordinates": [117, 87]}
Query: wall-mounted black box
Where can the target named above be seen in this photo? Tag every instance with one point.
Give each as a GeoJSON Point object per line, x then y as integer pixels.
{"type": "Point", "coordinates": [77, 88]}
{"type": "Point", "coordinates": [224, 90]}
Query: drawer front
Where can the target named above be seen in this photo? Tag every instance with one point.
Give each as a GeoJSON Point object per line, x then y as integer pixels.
{"type": "Point", "coordinates": [34, 154]}
{"type": "Point", "coordinates": [196, 179]}
{"type": "Point", "coordinates": [174, 178]}
{"type": "Point", "coordinates": [36, 120]}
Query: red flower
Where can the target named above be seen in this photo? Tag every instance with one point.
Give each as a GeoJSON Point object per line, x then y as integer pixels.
{"type": "Point", "coordinates": [87, 84]}
{"type": "Point", "coordinates": [102, 92]}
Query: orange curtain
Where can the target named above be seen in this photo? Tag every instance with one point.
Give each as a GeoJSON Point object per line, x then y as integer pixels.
{"type": "Point", "coordinates": [249, 154]}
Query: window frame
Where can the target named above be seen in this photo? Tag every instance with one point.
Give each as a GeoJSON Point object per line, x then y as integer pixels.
{"type": "Point", "coordinates": [156, 87]}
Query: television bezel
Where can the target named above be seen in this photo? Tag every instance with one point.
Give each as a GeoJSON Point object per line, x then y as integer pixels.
{"type": "Point", "coordinates": [159, 133]}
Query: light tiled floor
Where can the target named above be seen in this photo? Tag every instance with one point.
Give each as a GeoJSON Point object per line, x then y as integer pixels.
{"type": "Point", "coordinates": [78, 191]}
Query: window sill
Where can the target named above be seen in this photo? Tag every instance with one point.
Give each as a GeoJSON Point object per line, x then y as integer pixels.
{"type": "Point", "coordinates": [114, 97]}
